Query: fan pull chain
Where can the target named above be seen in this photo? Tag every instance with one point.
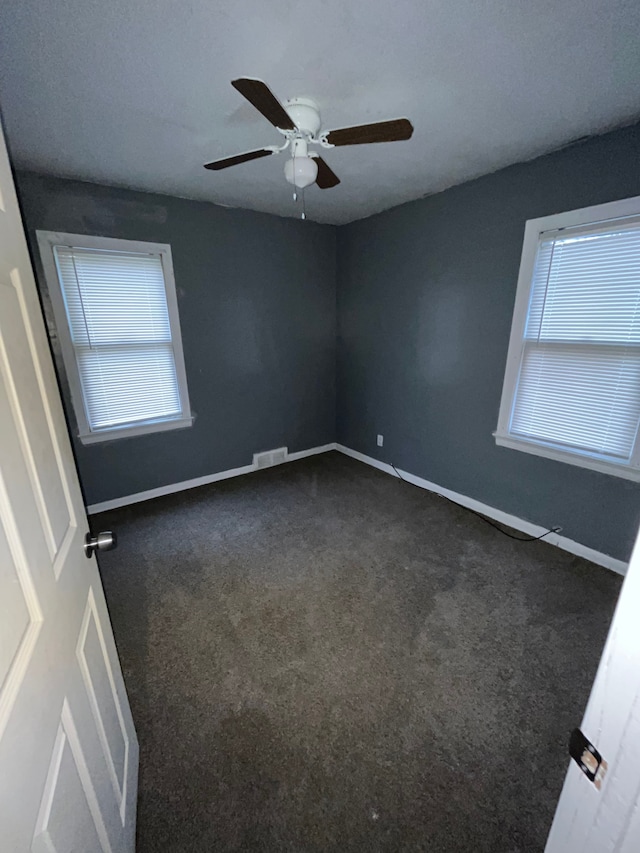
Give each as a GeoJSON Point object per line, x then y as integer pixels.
{"type": "Point", "coordinates": [295, 187]}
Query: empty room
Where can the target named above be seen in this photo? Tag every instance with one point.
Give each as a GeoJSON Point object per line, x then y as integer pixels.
{"type": "Point", "coordinates": [319, 426]}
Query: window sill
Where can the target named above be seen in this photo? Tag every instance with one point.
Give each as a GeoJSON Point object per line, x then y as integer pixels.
{"type": "Point", "coordinates": [132, 431]}
{"type": "Point", "coordinates": [601, 465]}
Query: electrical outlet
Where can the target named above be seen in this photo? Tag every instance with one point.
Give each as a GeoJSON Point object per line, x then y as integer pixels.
{"type": "Point", "coordinates": [380, 440]}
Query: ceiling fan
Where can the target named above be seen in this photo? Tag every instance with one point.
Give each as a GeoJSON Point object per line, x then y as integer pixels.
{"type": "Point", "coordinates": [298, 120]}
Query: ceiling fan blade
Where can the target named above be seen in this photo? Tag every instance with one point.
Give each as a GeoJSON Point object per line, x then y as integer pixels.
{"type": "Point", "coordinates": [327, 178]}
{"type": "Point", "coordinates": [263, 99]}
{"type": "Point", "coordinates": [381, 131]}
{"type": "Point", "coordinates": [239, 158]}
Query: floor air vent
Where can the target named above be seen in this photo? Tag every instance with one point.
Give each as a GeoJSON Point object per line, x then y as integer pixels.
{"type": "Point", "coordinates": [270, 457]}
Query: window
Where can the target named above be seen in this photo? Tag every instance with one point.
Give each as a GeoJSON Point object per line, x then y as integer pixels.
{"type": "Point", "coordinates": [116, 314]}
{"type": "Point", "coordinates": [572, 384]}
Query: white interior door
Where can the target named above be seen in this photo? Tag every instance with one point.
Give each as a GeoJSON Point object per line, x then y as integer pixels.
{"type": "Point", "coordinates": [589, 820]}
{"type": "Point", "coordinates": [68, 748]}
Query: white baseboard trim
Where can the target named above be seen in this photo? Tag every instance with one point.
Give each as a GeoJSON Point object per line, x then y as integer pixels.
{"type": "Point", "coordinates": [512, 521]}
{"type": "Point", "coordinates": [302, 454]}
{"type": "Point", "coordinates": [147, 495]}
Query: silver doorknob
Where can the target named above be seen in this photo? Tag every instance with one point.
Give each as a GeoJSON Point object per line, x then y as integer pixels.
{"type": "Point", "coordinates": [104, 541]}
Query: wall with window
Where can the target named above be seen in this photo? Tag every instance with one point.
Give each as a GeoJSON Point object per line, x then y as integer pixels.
{"type": "Point", "coordinates": [256, 301]}
{"type": "Point", "coordinates": [425, 298]}
{"type": "Point", "coordinates": [425, 303]}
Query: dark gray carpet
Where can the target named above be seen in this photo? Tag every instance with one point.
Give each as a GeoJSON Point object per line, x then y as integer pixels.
{"type": "Point", "coordinates": [322, 658]}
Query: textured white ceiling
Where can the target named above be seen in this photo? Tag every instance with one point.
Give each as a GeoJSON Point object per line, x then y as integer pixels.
{"type": "Point", "coordinates": [136, 92]}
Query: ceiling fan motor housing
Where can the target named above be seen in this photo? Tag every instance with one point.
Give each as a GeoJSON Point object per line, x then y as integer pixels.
{"type": "Point", "coordinates": [305, 115]}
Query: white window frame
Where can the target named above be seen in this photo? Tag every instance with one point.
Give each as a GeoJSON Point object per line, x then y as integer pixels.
{"type": "Point", "coordinates": [533, 229]}
{"type": "Point", "coordinates": [46, 242]}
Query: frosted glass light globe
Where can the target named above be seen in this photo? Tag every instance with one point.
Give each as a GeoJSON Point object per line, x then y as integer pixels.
{"type": "Point", "coordinates": [301, 171]}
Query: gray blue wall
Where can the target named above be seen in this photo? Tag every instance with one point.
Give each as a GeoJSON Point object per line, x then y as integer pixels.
{"type": "Point", "coordinates": [256, 297]}
{"type": "Point", "coordinates": [425, 295]}
{"type": "Point", "coordinates": [425, 300]}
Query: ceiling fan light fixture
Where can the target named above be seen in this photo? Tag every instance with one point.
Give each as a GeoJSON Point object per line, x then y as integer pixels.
{"type": "Point", "coordinates": [299, 121]}
{"type": "Point", "coordinates": [301, 171]}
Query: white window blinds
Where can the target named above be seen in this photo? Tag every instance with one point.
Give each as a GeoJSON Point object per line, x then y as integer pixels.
{"type": "Point", "coordinates": [116, 306]}
{"type": "Point", "coordinates": [579, 381]}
